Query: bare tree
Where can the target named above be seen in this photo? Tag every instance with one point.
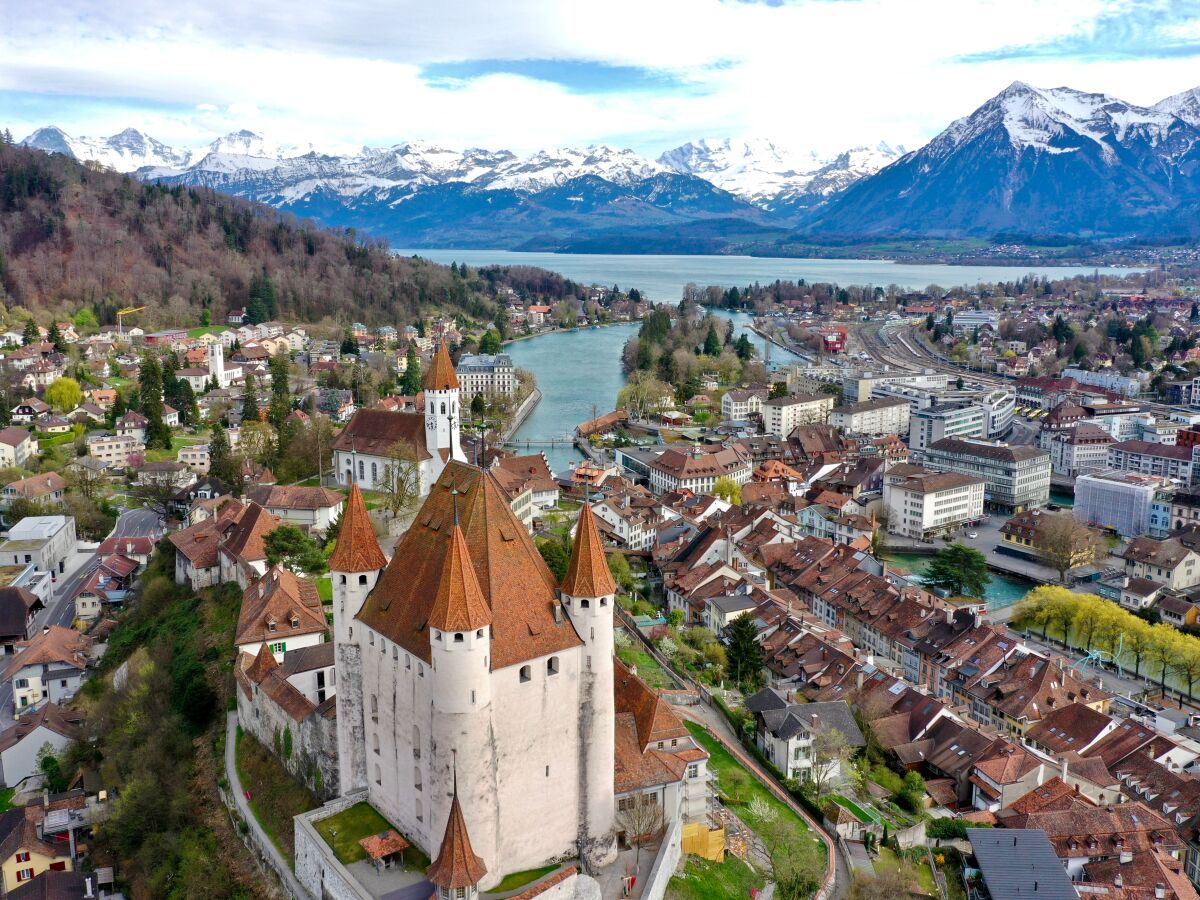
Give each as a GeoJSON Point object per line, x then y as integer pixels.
{"type": "Point", "coordinates": [84, 481]}
{"type": "Point", "coordinates": [1065, 543]}
{"type": "Point", "coordinates": [829, 751]}
{"type": "Point", "coordinates": [642, 820]}
{"type": "Point", "coordinates": [401, 483]}
{"type": "Point", "coordinates": [155, 490]}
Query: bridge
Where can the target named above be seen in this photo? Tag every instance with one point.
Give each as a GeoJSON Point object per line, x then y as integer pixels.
{"type": "Point", "coordinates": [540, 442]}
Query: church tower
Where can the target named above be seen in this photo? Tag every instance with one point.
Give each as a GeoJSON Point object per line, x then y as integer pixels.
{"type": "Point", "coordinates": [457, 871]}
{"type": "Point", "coordinates": [589, 594]}
{"type": "Point", "coordinates": [216, 363]}
{"type": "Point", "coordinates": [354, 568]}
{"type": "Point", "coordinates": [442, 414]}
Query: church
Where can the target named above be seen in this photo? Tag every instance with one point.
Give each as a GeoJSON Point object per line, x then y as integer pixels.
{"type": "Point", "coordinates": [361, 453]}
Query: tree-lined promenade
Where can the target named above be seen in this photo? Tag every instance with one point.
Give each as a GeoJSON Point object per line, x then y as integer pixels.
{"type": "Point", "coordinates": [1133, 645]}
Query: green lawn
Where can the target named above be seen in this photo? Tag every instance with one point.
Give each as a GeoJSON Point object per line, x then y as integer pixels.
{"type": "Point", "coordinates": [206, 329]}
{"type": "Point", "coordinates": [325, 589]}
{"type": "Point", "coordinates": [648, 668]}
{"type": "Point", "coordinates": [721, 762]}
{"type": "Point", "coordinates": [178, 441]}
{"type": "Point", "coordinates": [863, 815]}
{"type": "Point", "coordinates": [275, 797]}
{"type": "Point", "coordinates": [519, 879]}
{"type": "Point", "coordinates": [703, 879]}
{"type": "Point", "coordinates": [343, 831]}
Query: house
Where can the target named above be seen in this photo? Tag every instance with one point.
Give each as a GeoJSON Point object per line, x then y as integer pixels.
{"type": "Point", "coordinates": [46, 488]}
{"type": "Point", "coordinates": [17, 447]}
{"type": "Point", "coordinates": [45, 541]}
{"type": "Point", "coordinates": [25, 855]}
{"type": "Point", "coordinates": [921, 503]}
{"type": "Point", "coordinates": [1039, 874]}
{"type": "Point", "coordinates": [312, 508]}
{"type": "Point", "coordinates": [132, 425]}
{"type": "Point", "coordinates": [1167, 562]}
{"type": "Point", "coordinates": [165, 475]}
{"type": "Point", "coordinates": [107, 586]}
{"type": "Point", "coordinates": [534, 471]}
{"type": "Point", "coordinates": [22, 742]}
{"type": "Point", "coordinates": [28, 410]}
{"type": "Point", "coordinates": [18, 608]}
{"type": "Point", "coordinates": [786, 731]}
{"type": "Point", "coordinates": [195, 458]}
{"type": "Point", "coordinates": [50, 667]}
{"type": "Point", "coordinates": [114, 451]}
{"type": "Point", "coordinates": [281, 610]}
{"type": "Point", "coordinates": [697, 469]}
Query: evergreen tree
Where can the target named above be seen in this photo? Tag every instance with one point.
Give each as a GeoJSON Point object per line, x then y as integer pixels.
{"type": "Point", "coordinates": [189, 411]}
{"type": "Point", "coordinates": [206, 317]}
{"type": "Point", "coordinates": [349, 344]}
{"type": "Point", "coordinates": [150, 395]}
{"type": "Point", "coordinates": [712, 343]}
{"type": "Point", "coordinates": [281, 401]}
{"type": "Point", "coordinates": [411, 385]}
{"type": "Point", "coordinates": [54, 336]}
{"type": "Point", "coordinates": [30, 335]}
{"type": "Point", "coordinates": [490, 342]}
{"type": "Point", "coordinates": [250, 401]}
{"type": "Point", "coordinates": [743, 651]}
{"type": "Point", "coordinates": [744, 348]}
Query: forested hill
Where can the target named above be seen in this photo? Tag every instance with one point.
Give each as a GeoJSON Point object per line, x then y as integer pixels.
{"type": "Point", "coordinates": [73, 236]}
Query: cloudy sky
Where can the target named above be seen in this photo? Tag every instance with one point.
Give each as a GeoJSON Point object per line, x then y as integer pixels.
{"type": "Point", "coordinates": [526, 74]}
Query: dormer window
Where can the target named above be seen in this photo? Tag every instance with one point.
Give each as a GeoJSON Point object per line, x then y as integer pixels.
{"type": "Point", "coordinates": [272, 625]}
{"type": "Point", "coordinates": [458, 637]}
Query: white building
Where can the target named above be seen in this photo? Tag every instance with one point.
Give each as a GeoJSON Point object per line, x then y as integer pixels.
{"type": "Point", "coordinates": [312, 508]}
{"type": "Point", "coordinates": [784, 732]}
{"type": "Point", "coordinates": [872, 417]}
{"type": "Point", "coordinates": [51, 667]}
{"type": "Point", "coordinates": [738, 405]}
{"type": "Point", "coordinates": [46, 542]}
{"type": "Point", "coordinates": [472, 689]}
{"type": "Point", "coordinates": [1017, 477]}
{"type": "Point", "coordinates": [944, 420]}
{"type": "Point", "coordinates": [1109, 380]}
{"type": "Point", "coordinates": [999, 406]}
{"type": "Point", "coordinates": [22, 742]}
{"type": "Point", "coordinates": [921, 503]}
{"type": "Point", "coordinates": [1079, 450]}
{"type": "Point", "coordinates": [114, 450]}
{"type": "Point", "coordinates": [1121, 501]}
{"type": "Point", "coordinates": [481, 373]}
{"type": "Point", "coordinates": [697, 470]}
{"type": "Point", "coordinates": [783, 415]}
{"type": "Point", "coordinates": [17, 446]}
{"type": "Point", "coordinates": [1149, 458]}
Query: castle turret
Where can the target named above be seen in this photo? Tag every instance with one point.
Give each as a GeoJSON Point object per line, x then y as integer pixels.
{"type": "Point", "coordinates": [354, 568]}
{"type": "Point", "coordinates": [442, 413]}
{"type": "Point", "coordinates": [457, 871]}
{"type": "Point", "coordinates": [589, 594]}
{"type": "Point", "coordinates": [459, 634]}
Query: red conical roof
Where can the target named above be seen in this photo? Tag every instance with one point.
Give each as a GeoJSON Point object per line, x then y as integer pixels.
{"type": "Point", "coordinates": [588, 574]}
{"type": "Point", "coordinates": [441, 375]}
{"type": "Point", "coordinates": [459, 605]}
{"type": "Point", "coordinates": [456, 864]}
{"type": "Point", "coordinates": [357, 549]}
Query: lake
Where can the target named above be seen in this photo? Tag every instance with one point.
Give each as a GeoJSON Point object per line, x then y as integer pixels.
{"type": "Point", "coordinates": [1003, 590]}
{"type": "Point", "coordinates": [662, 278]}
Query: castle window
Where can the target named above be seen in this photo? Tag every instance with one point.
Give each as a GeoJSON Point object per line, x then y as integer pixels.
{"type": "Point", "coordinates": [479, 633]}
{"type": "Point", "coordinates": [407, 661]}
{"type": "Point", "coordinates": [420, 671]}
{"type": "Point", "coordinates": [416, 742]}
{"type": "Point", "coordinates": [362, 579]}
{"type": "Point", "coordinates": [395, 653]}
{"type": "Point", "coordinates": [374, 708]}
{"type": "Point", "coordinates": [526, 674]}
{"type": "Point", "coordinates": [458, 637]}
{"type": "Point", "coordinates": [443, 408]}
{"type": "Point", "coordinates": [552, 666]}
{"type": "Point", "coordinates": [417, 778]}
{"type": "Point", "coordinates": [420, 811]}
{"type": "Point", "coordinates": [584, 603]}
{"type": "Point", "coordinates": [375, 743]}
{"type": "Point", "coordinates": [371, 638]}
{"type": "Point", "coordinates": [343, 577]}
{"type": "Point", "coordinates": [604, 601]}
{"type": "Point", "coordinates": [437, 635]}
{"type": "Point", "coordinates": [378, 774]}
{"type": "Point", "coordinates": [472, 698]}
{"type": "Point", "coordinates": [547, 771]}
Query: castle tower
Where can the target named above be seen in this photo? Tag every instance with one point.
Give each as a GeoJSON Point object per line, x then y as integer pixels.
{"type": "Point", "coordinates": [442, 413]}
{"type": "Point", "coordinates": [216, 363]}
{"type": "Point", "coordinates": [354, 568]}
{"type": "Point", "coordinates": [589, 594]}
{"type": "Point", "coordinates": [457, 871]}
{"type": "Point", "coordinates": [459, 634]}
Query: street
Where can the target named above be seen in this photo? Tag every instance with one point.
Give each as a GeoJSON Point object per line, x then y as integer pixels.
{"type": "Point", "coordinates": [61, 610]}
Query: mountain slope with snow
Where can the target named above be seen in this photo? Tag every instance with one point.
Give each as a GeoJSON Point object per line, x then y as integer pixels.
{"type": "Point", "coordinates": [1037, 161]}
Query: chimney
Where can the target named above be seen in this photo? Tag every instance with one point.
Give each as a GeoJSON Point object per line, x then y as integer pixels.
{"type": "Point", "coordinates": [45, 629]}
{"type": "Point", "coordinates": [88, 894]}
{"type": "Point", "coordinates": [1160, 891]}
{"type": "Point", "coordinates": [859, 679]}
{"type": "Point", "coordinates": [1119, 881]}
{"type": "Point", "coordinates": [45, 798]}
{"type": "Point", "coordinates": [557, 613]}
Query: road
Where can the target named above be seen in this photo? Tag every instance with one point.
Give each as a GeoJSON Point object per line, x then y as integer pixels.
{"type": "Point", "coordinates": [61, 609]}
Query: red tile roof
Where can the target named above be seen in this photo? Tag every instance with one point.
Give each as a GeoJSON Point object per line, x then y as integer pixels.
{"type": "Point", "coordinates": [357, 549]}
{"type": "Point", "coordinates": [377, 431]}
{"type": "Point", "coordinates": [588, 574]}
{"type": "Point", "coordinates": [456, 864]}
{"type": "Point", "coordinates": [441, 375]}
{"type": "Point", "coordinates": [459, 605]}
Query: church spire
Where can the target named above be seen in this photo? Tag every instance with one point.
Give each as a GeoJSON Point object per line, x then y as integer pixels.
{"type": "Point", "coordinates": [588, 574]}
{"type": "Point", "coordinates": [357, 549]}
{"type": "Point", "coordinates": [456, 865]}
{"type": "Point", "coordinates": [459, 605]}
{"type": "Point", "coordinates": [441, 375]}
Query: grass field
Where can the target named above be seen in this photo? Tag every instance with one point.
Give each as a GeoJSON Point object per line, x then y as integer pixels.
{"type": "Point", "coordinates": [343, 831]}
{"type": "Point", "coordinates": [275, 797]}
{"type": "Point", "coordinates": [648, 668]}
{"type": "Point", "coordinates": [863, 815]}
{"type": "Point", "coordinates": [704, 879]}
{"type": "Point", "coordinates": [325, 589]}
{"type": "Point", "coordinates": [206, 329]}
{"type": "Point", "coordinates": [516, 880]}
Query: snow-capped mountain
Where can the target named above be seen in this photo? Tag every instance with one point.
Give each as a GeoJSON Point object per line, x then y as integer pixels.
{"type": "Point", "coordinates": [126, 152]}
{"type": "Point", "coordinates": [770, 176]}
{"type": "Point", "coordinates": [1038, 161]}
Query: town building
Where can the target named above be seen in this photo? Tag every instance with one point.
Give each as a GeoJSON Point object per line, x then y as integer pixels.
{"type": "Point", "coordinates": [45, 488]}
{"type": "Point", "coordinates": [943, 420]}
{"type": "Point", "coordinates": [921, 503]}
{"type": "Point", "coordinates": [697, 469]}
{"type": "Point", "coordinates": [49, 668]}
{"type": "Point", "coordinates": [482, 373]}
{"type": "Point", "coordinates": [1017, 477]}
{"type": "Point", "coordinates": [783, 415]}
{"type": "Point", "coordinates": [22, 742]}
{"type": "Point", "coordinates": [741, 404]}
{"type": "Point", "coordinates": [784, 731]}
{"type": "Point", "coordinates": [872, 417]}
{"type": "Point", "coordinates": [1079, 450]}
{"type": "Point", "coordinates": [17, 447]}
{"type": "Point", "coordinates": [114, 450]}
{"type": "Point", "coordinates": [46, 542]}
{"type": "Point", "coordinates": [311, 508]}
{"type": "Point", "coordinates": [1166, 460]}
{"type": "Point", "coordinates": [1118, 501]}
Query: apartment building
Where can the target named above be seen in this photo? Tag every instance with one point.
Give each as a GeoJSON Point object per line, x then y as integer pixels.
{"type": "Point", "coordinates": [1017, 478]}
{"type": "Point", "coordinates": [1120, 501]}
{"type": "Point", "coordinates": [114, 450]}
{"type": "Point", "coordinates": [921, 503]}
{"type": "Point", "coordinates": [482, 373]}
{"type": "Point", "coordinates": [943, 420]}
{"type": "Point", "coordinates": [738, 405]}
{"type": "Point", "coordinates": [1166, 460]}
{"type": "Point", "coordinates": [1079, 450]}
{"type": "Point", "coordinates": [782, 415]}
{"type": "Point", "coordinates": [872, 417]}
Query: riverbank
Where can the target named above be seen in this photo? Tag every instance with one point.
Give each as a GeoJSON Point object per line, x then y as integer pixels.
{"type": "Point", "coordinates": [525, 337]}
{"type": "Point", "coordinates": [778, 343]}
{"type": "Point", "coordinates": [528, 405]}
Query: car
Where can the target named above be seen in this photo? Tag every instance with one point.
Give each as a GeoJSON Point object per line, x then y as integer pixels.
{"type": "Point", "coordinates": [972, 534]}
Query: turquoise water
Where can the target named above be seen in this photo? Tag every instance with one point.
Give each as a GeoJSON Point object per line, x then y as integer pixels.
{"type": "Point", "coordinates": [662, 278]}
{"type": "Point", "coordinates": [1062, 498]}
{"type": "Point", "coordinates": [1002, 590]}
{"type": "Point", "coordinates": [579, 373]}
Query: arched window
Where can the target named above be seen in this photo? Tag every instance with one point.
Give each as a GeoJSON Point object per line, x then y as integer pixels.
{"type": "Point", "coordinates": [420, 811]}
{"type": "Point", "coordinates": [375, 743]}
{"type": "Point", "coordinates": [443, 407]}
{"type": "Point", "coordinates": [362, 579]}
{"type": "Point", "coordinates": [374, 708]}
{"type": "Point", "coordinates": [585, 603]}
{"type": "Point", "coordinates": [458, 637]}
{"type": "Point", "coordinates": [362, 470]}
{"type": "Point", "coordinates": [378, 774]}
{"type": "Point", "coordinates": [552, 666]}
{"type": "Point", "coordinates": [343, 577]}
{"type": "Point", "coordinates": [374, 471]}
{"type": "Point", "coordinates": [417, 777]}
{"type": "Point", "coordinates": [526, 674]}
{"type": "Point", "coordinates": [416, 742]}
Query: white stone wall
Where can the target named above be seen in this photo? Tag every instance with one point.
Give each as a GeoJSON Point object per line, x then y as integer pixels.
{"type": "Point", "coordinates": [314, 740]}
{"type": "Point", "coordinates": [20, 760]}
{"type": "Point", "coordinates": [317, 869]}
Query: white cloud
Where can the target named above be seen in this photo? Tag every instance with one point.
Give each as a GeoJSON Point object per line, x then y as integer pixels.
{"type": "Point", "coordinates": [809, 74]}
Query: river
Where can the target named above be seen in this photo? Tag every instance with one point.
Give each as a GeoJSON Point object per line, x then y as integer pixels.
{"type": "Point", "coordinates": [662, 278]}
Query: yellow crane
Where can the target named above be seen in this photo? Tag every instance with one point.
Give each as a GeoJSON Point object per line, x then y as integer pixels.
{"type": "Point", "coordinates": [122, 313]}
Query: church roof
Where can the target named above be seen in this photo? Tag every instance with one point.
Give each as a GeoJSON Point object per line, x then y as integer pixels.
{"type": "Point", "coordinates": [456, 864]}
{"type": "Point", "coordinates": [441, 375]}
{"type": "Point", "coordinates": [588, 574]}
{"type": "Point", "coordinates": [376, 431]}
{"type": "Point", "coordinates": [459, 605]}
{"type": "Point", "coordinates": [516, 585]}
{"type": "Point", "coordinates": [356, 549]}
